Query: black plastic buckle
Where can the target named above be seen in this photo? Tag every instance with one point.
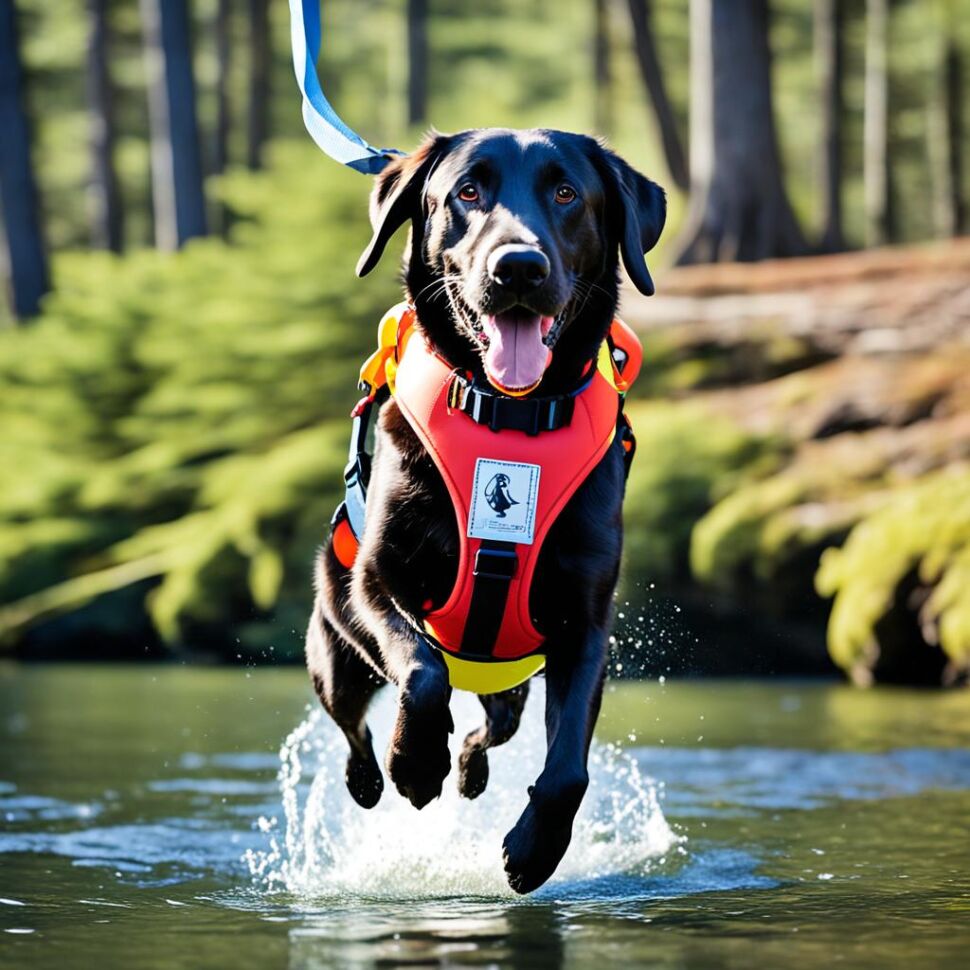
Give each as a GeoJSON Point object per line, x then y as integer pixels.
{"type": "Point", "coordinates": [514, 414]}
{"type": "Point", "coordinates": [500, 413]}
{"type": "Point", "coordinates": [496, 563]}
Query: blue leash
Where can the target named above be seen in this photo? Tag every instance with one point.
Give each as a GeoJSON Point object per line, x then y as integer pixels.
{"type": "Point", "coordinates": [325, 126]}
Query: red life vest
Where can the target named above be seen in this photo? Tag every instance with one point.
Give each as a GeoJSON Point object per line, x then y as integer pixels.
{"type": "Point", "coordinates": [507, 488]}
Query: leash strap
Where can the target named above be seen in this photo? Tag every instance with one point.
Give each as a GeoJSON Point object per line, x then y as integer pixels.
{"type": "Point", "coordinates": [325, 126]}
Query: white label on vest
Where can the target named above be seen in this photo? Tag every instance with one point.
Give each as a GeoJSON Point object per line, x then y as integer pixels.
{"type": "Point", "coordinates": [503, 504]}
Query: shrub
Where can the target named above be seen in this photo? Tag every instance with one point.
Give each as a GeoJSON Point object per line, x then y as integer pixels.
{"type": "Point", "coordinates": [687, 458]}
{"type": "Point", "coordinates": [180, 418]}
{"type": "Point", "coordinates": [923, 527]}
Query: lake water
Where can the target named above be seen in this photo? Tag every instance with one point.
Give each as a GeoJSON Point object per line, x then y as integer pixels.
{"type": "Point", "coordinates": [147, 820]}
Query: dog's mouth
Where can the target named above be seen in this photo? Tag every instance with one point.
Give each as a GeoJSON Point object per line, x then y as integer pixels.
{"type": "Point", "coordinates": [516, 352]}
{"type": "Point", "coordinates": [516, 343]}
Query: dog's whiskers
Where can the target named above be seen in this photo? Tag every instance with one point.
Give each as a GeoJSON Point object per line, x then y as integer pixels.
{"type": "Point", "coordinates": [437, 286]}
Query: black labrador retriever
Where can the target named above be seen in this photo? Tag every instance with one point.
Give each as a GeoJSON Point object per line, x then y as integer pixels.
{"type": "Point", "coordinates": [507, 230]}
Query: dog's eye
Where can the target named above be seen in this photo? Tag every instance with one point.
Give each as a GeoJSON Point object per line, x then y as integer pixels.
{"type": "Point", "coordinates": [565, 194]}
{"type": "Point", "coordinates": [468, 193]}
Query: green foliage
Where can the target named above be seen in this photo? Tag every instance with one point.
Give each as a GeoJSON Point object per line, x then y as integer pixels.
{"type": "Point", "coordinates": [686, 459]}
{"type": "Point", "coordinates": [925, 528]}
{"type": "Point", "coordinates": [839, 517]}
{"type": "Point", "coordinates": [759, 531]}
{"type": "Point", "coordinates": [174, 416]}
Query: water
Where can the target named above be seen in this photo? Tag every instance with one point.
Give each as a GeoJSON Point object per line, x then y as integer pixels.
{"type": "Point", "coordinates": [143, 824]}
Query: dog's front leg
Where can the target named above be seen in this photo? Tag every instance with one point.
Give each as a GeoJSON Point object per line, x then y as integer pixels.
{"type": "Point", "coordinates": [574, 689]}
{"type": "Point", "coordinates": [418, 759]}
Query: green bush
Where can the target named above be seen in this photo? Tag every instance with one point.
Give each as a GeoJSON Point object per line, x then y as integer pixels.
{"type": "Point", "coordinates": [182, 417]}
{"type": "Point", "coordinates": [687, 459]}
{"type": "Point", "coordinates": [925, 528]}
{"type": "Point", "coordinates": [761, 530]}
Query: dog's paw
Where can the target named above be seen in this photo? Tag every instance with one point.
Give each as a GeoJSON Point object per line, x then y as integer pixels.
{"type": "Point", "coordinates": [472, 772]}
{"type": "Point", "coordinates": [532, 850]}
{"type": "Point", "coordinates": [418, 759]}
{"type": "Point", "coordinates": [364, 780]}
{"type": "Point", "coordinates": [537, 842]}
{"type": "Point", "coordinates": [418, 772]}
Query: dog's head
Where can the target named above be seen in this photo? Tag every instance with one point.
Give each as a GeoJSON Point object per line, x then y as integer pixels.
{"type": "Point", "coordinates": [515, 243]}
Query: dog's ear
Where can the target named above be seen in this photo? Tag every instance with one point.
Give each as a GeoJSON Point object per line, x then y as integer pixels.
{"type": "Point", "coordinates": [396, 196]}
{"type": "Point", "coordinates": [639, 209]}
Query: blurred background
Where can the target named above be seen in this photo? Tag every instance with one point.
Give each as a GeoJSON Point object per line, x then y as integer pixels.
{"type": "Point", "coordinates": [182, 329]}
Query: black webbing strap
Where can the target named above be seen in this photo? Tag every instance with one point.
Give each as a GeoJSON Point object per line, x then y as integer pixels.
{"type": "Point", "coordinates": [624, 431]}
{"type": "Point", "coordinates": [495, 565]}
{"type": "Point", "coordinates": [500, 413]}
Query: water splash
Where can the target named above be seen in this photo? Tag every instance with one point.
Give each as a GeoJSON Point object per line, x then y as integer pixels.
{"type": "Point", "coordinates": [325, 846]}
{"type": "Point", "coordinates": [648, 634]}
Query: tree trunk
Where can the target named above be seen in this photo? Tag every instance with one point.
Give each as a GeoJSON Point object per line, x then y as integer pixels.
{"type": "Point", "coordinates": [177, 192]}
{"type": "Point", "coordinates": [829, 68]}
{"type": "Point", "coordinates": [27, 256]}
{"type": "Point", "coordinates": [956, 87]}
{"type": "Point", "coordinates": [107, 213]}
{"type": "Point", "coordinates": [260, 73]}
{"type": "Point", "coordinates": [649, 65]}
{"type": "Point", "coordinates": [738, 206]}
{"type": "Point", "coordinates": [220, 141]}
{"type": "Point", "coordinates": [417, 61]}
{"type": "Point", "coordinates": [602, 80]}
{"type": "Point", "coordinates": [876, 125]}
{"type": "Point", "coordinates": [945, 136]}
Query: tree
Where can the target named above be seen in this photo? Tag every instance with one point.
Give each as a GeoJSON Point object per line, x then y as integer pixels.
{"type": "Point", "coordinates": [945, 132]}
{"type": "Point", "coordinates": [417, 61]}
{"type": "Point", "coordinates": [875, 162]}
{"type": "Point", "coordinates": [107, 214]}
{"type": "Point", "coordinates": [649, 65]}
{"type": "Point", "coordinates": [260, 65]}
{"type": "Point", "coordinates": [220, 147]}
{"type": "Point", "coordinates": [18, 188]}
{"type": "Point", "coordinates": [738, 206]}
{"type": "Point", "coordinates": [829, 68]}
{"type": "Point", "coordinates": [177, 193]}
{"type": "Point", "coordinates": [602, 81]}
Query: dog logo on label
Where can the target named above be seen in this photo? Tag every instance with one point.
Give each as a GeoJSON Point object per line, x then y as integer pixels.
{"type": "Point", "coordinates": [504, 498]}
{"type": "Point", "coordinates": [497, 494]}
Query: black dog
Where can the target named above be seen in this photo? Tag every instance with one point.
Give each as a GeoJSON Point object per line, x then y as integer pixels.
{"type": "Point", "coordinates": [513, 227]}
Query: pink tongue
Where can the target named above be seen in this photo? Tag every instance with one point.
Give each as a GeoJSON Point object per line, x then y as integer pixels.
{"type": "Point", "coordinates": [516, 357]}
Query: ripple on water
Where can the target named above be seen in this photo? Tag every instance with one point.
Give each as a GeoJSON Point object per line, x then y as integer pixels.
{"type": "Point", "coordinates": [748, 780]}
{"type": "Point", "coordinates": [325, 846]}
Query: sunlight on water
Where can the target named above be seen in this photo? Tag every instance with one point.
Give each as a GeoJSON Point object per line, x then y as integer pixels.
{"type": "Point", "coordinates": [326, 846]}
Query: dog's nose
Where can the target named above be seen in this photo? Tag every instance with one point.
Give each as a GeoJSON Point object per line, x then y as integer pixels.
{"type": "Point", "coordinates": [518, 268]}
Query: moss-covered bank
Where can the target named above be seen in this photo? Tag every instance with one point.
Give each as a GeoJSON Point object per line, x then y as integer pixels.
{"type": "Point", "coordinates": [842, 385]}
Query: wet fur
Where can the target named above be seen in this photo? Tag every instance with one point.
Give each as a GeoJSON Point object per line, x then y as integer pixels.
{"type": "Point", "coordinates": [362, 633]}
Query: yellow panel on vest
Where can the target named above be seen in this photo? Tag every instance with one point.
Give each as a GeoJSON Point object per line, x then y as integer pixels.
{"type": "Point", "coordinates": [604, 364]}
{"type": "Point", "coordinates": [374, 372]}
{"type": "Point", "coordinates": [490, 676]}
